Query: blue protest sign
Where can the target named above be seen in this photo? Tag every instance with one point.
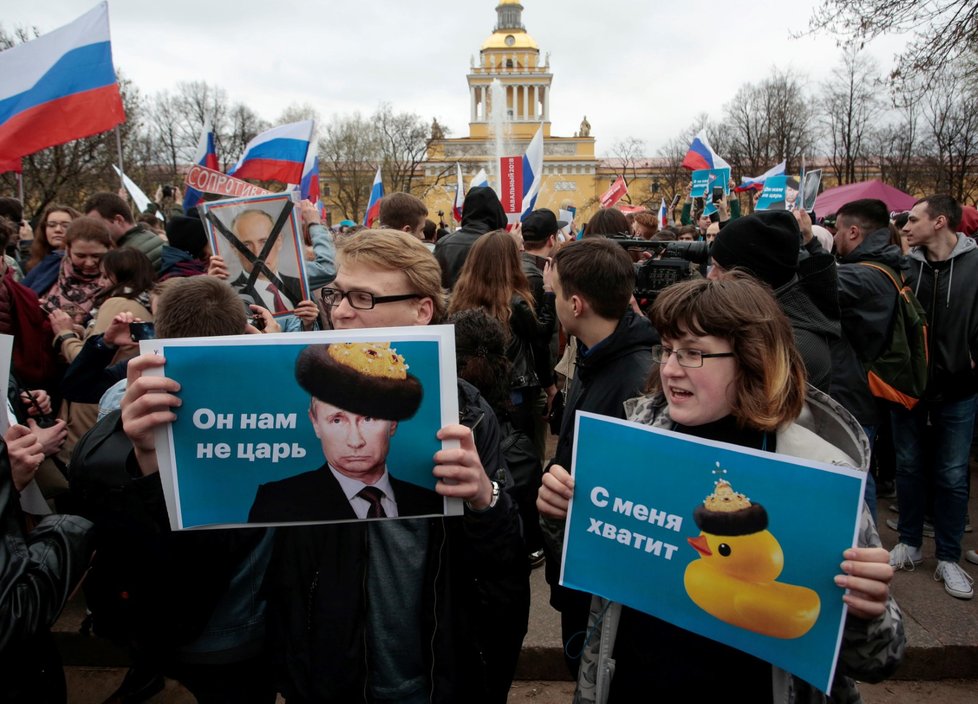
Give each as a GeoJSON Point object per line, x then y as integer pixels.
{"type": "Point", "coordinates": [705, 179]}
{"type": "Point", "coordinates": [260, 414]}
{"type": "Point", "coordinates": [774, 194]}
{"type": "Point", "coordinates": [758, 578]}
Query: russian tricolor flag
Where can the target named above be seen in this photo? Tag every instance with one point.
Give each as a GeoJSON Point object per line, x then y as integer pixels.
{"type": "Point", "coordinates": [702, 156]}
{"type": "Point", "coordinates": [480, 180]}
{"type": "Point", "coordinates": [532, 172]}
{"type": "Point", "coordinates": [206, 156]}
{"type": "Point", "coordinates": [59, 87]}
{"type": "Point", "coordinates": [757, 183]}
{"type": "Point", "coordinates": [459, 194]}
{"type": "Point", "coordinates": [309, 186]}
{"type": "Point", "coordinates": [373, 205]}
{"type": "Point", "coordinates": [663, 214]}
{"type": "Point", "coordinates": [277, 154]}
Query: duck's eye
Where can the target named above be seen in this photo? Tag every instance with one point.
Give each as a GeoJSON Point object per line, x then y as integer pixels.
{"type": "Point", "coordinates": [724, 549]}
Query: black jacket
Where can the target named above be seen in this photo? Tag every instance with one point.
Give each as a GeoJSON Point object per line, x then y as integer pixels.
{"type": "Point", "coordinates": [38, 571]}
{"type": "Point", "coordinates": [529, 346]}
{"type": "Point", "coordinates": [481, 213]}
{"type": "Point", "coordinates": [867, 301]}
{"type": "Point", "coordinates": [811, 303]}
{"type": "Point", "coordinates": [615, 370]}
{"type": "Point", "coordinates": [948, 291]}
{"type": "Point", "coordinates": [476, 577]}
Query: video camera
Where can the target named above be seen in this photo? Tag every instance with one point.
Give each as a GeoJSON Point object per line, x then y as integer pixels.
{"type": "Point", "coordinates": [670, 263]}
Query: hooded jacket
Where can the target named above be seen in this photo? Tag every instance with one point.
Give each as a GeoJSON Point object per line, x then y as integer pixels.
{"type": "Point", "coordinates": [481, 213]}
{"type": "Point", "coordinates": [608, 374]}
{"type": "Point", "coordinates": [948, 291]}
{"type": "Point", "coordinates": [146, 241]}
{"type": "Point", "coordinates": [867, 299]}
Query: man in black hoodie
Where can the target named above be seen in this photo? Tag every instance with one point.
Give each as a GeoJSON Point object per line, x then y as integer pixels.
{"type": "Point", "coordinates": [592, 283]}
{"type": "Point", "coordinates": [481, 213]}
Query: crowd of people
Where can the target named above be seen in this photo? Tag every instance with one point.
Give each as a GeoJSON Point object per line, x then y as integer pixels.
{"type": "Point", "coordinates": [766, 345]}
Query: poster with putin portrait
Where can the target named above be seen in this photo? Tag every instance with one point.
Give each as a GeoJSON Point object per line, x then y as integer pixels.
{"type": "Point", "coordinates": [323, 427]}
{"type": "Point", "coordinates": [260, 240]}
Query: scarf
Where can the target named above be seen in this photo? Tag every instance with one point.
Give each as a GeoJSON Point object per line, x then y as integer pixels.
{"type": "Point", "coordinates": [73, 292]}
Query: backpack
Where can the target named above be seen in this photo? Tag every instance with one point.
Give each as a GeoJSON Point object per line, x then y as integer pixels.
{"type": "Point", "coordinates": [899, 373]}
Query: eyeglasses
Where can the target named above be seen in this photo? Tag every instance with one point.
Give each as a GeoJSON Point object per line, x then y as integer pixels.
{"type": "Point", "coordinates": [691, 359]}
{"type": "Point", "coordinates": [361, 300]}
{"type": "Point", "coordinates": [52, 225]}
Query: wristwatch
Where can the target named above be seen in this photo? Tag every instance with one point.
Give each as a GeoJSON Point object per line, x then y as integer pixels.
{"type": "Point", "coordinates": [492, 501]}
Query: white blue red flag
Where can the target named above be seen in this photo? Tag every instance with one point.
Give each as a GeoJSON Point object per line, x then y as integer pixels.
{"type": "Point", "coordinates": [206, 156]}
{"type": "Point", "coordinates": [702, 156]}
{"type": "Point", "coordinates": [663, 213]}
{"type": "Point", "coordinates": [532, 172]}
{"type": "Point", "coordinates": [277, 154]}
{"type": "Point", "coordinates": [59, 87]}
{"type": "Point", "coordinates": [757, 183]}
{"type": "Point", "coordinates": [459, 194]}
{"type": "Point", "coordinates": [480, 180]}
{"type": "Point", "coordinates": [309, 186]}
{"type": "Point", "coordinates": [373, 205]}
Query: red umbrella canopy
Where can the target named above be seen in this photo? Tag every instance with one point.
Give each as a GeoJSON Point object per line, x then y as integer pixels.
{"type": "Point", "coordinates": [830, 200]}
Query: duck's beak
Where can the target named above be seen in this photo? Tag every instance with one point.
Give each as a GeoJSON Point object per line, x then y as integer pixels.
{"type": "Point", "coordinates": [700, 545]}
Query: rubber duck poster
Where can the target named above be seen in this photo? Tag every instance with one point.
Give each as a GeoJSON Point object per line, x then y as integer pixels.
{"type": "Point", "coordinates": [737, 545]}
{"type": "Point", "coordinates": [313, 428]}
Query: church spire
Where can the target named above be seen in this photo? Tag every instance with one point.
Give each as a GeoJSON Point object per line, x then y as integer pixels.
{"type": "Point", "coordinates": [509, 13]}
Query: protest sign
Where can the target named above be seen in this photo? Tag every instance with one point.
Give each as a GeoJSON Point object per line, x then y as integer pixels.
{"type": "Point", "coordinates": [705, 179]}
{"type": "Point", "coordinates": [639, 532]}
{"type": "Point", "coordinates": [209, 181]}
{"type": "Point", "coordinates": [567, 214]}
{"type": "Point", "coordinates": [260, 240]}
{"type": "Point", "coordinates": [511, 186]}
{"type": "Point", "coordinates": [248, 437]}
{"type": "Point", "coordinates": [809, 191]}
{"type": "Point", "coordinates": [773, 195]}
{"type": "Point", "coordinates": [617, 191]}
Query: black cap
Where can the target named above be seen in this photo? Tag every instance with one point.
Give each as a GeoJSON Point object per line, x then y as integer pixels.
{"type": "Point", "coordinates": [540, 224]}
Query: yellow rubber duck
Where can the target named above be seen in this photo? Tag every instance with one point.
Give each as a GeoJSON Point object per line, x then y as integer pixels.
{"type": "Point", "coordinates": [739, 560]}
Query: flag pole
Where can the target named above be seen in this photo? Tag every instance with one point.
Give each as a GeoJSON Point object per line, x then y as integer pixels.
{"type": "Point", "coordinates": [20, 187]}
{"type": "Point", "coordinates": [118, 147]}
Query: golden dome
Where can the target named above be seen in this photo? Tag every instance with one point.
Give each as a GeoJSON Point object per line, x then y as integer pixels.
{"type": "Point", "coordinates": [510, 40]}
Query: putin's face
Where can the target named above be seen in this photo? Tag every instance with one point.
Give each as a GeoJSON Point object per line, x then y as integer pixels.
{"type": "Point", "coordinates": [355, 446]}
{"type": "Point", "coordinates": [253, 229]}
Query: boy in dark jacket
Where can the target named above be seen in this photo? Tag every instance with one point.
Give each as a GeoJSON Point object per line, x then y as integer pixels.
{"type": "Point", "coordinates": [593, 282]}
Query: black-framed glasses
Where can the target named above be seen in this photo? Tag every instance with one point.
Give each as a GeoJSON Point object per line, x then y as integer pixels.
{"type": "Point", "coordinates": [360, 300]}
{"type": "Point", "coordinates": [691, 359]}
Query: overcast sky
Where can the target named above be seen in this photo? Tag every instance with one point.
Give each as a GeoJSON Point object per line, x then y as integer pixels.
{"type": "Point", "coordinates": [635, 68]}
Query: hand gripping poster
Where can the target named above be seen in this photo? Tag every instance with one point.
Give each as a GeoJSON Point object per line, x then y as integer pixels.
{"type": "Point", "coordinates": [737, 545]}
{"type": "Point", "coordinates": [312, 428]}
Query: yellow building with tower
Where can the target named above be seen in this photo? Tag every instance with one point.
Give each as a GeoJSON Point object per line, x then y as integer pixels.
{"type": "Point", "coordinates": [509, 99]}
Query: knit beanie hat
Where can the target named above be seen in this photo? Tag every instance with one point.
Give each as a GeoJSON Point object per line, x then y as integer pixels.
{"type": "Point", "coordinates": [766, 244]}
{"type": "Point", "coordinates": [186, 234]}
